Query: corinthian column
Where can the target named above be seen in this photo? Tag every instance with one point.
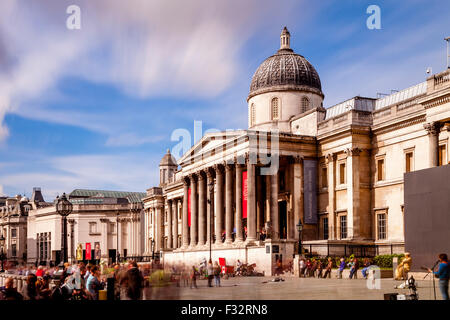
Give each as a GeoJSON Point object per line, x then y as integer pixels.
{"type": "Point", "coordinates": [210, 206]}
{"type": "Point", "coordinates": [194, 224]}
{"type": "Point", "coordinates": [169, 222]}
{"type": "Point", "coordinates": [201, 209]}
{"type": "Point", "coordinates": [219, 204]}
{"type": "Point", "coordinates": [229, 203]}
{"type": "Point", "coordinates": [184, 222]}
{"type": "Point", "coordinates": [433, 129]}
{"type": "Point", "coordinates": [251, 199]}
{"type": "Point", "coordinates": [238, 218]}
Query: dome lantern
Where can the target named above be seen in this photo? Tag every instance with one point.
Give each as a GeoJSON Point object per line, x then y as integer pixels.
{"type": "Point", "coordinates": [285, 39]}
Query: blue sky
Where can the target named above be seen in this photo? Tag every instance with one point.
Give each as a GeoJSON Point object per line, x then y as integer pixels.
{"type": "Point", "coordinates": [96, 107]}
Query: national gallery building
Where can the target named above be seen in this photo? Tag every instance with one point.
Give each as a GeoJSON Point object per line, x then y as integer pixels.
{"type": "Point", "coordinates": [337, 170]}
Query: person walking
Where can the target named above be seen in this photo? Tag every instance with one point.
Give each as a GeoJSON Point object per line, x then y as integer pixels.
{"type": "Point", "coordinates": [210, 272]}
{"type": "Point", "coordinates": [308, 268]}
{"type": "Point", "coordinates": [444, 275]}
{"type": "Point", "coordinates": [135, 281]}
{"type": "Point", "coordinates": [328, 268]}
{"type": "Point", "coordinates": [319, 269]}
{"type": "Point", "coordinates": [216, 274]}
{"type": "Point", "coordinates": [341, 268]}
{"type": "Point", "coordinates": [193, 277]}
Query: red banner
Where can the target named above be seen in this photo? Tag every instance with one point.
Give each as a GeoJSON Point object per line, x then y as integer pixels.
{"type": "Point", "coordinates": [88, 251]}
{"type": "Point", "coordinates": [189, 207]}
{"type": "Point", "coordinates": [244, 194]}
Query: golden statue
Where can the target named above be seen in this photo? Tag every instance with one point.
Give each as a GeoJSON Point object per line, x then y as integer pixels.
{"type": "Point", "coordinates": [401, 273]}
{"type": "Point", "coordinates": [79, 252]}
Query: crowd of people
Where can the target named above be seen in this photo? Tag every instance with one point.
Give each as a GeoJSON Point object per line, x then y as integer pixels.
{"type": "Point", "coordinates": [317, 268]}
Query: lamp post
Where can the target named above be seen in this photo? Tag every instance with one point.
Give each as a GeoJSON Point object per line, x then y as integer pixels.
{"type": "Point", "coordinates": [211, 210]}
{"type": "Point", "coordinates": [2, 254]}
{"type": "Point", "coordinates": [299, 229]}
{"type": "Point", "coordinates": [63, 208]}
{"type": "Point", "coordinates": [117, 236]}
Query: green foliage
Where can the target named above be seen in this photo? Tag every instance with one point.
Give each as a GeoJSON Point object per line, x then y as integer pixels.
{"type": "Point", "coordinates": [382, 261]}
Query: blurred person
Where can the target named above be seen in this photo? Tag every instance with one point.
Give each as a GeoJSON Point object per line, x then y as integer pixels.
{"type": "Point", "coordinates": [134, 281]}
{"type": "Point", "coordinates": [444, 275]}
{"type": "Point", "coordinates": [319, 269]}
{"type": "Point", "coordinates": [302, 267]}
{"type": "Point", "coordinates": [216, 274]}
{"type": "Point", "coordinates": [354, 266]}
{"type": "Point", "coordinates": [8, 292]}
{"type": "Point", "coordinates": [93, 283]}
{"type": "Point", "coordinates": [193, 277]}
{"type": "Point", "coordinates": [341, 268]}
{"type": "Point", "coordinates": [365, 268]}
{"type": "Point", "coordinates": [210, 272]}
{"type": "Point", "coordinates": [29, 290]}
{"type": "Point", "coordinates": [328, 268]}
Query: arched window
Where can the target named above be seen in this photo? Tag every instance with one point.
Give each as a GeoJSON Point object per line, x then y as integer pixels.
{"type": "Point", "coordinates": [275, 109]}
{"type": "Point", "coordinates": [305, 104]}
{"type": "Point", "coordinates": [252, 115]}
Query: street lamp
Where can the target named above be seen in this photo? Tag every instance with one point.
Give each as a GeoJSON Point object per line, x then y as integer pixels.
{"type": "Point", "coordinates": [117, 237]}
{"type": "Point", "coordinates": [299, 229]}
{"type": "Point", "coordinates": [2, 254]}
{"type": "Point", "coordinates": [63, 208]}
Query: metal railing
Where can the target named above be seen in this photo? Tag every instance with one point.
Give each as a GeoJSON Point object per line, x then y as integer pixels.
{"type": "Point", "coordinates": [358, 250]}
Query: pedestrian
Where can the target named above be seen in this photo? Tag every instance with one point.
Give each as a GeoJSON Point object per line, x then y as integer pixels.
{"type": "Point", "coordinates": [313, 269]}
{"type": "Point", "coordinates": [40, 271]}
{"type": "Point", "coordinates": [8, 292]}
{"type": "Point", "coordinates": [193, 277]}
{"type": "Point", "coordinates": [328, 268]}
{"type": "Point", "coordinates": [341, 268]}
{"type": "Point", "coordinates": [210, 272]}
{"type": "Point", "coordinates": [354, 266]}
{"type": "Point", "coordinates": [29, 291]}
{"type": "Point", "coordinates": [216, 274]}
{"type": "Point", "coordinates": [135, 281]}
{"type": "Point", "coordinates": [302, 267]}
{"type": "Point", "coordinates": [308, 268]}
{"type": "Point", "coordinates": [43, 287]}
{"type": "Point", "coordinates": [319, 269]}
{"type": "Point", "coordinates": [444, 274]}
{"type": "Point", "coordinates": [93, 283]}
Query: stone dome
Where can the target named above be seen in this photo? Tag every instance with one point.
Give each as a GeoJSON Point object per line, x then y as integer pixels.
{"type": "Point", "coordinates": [168, 160]}
{"type": "Point", "coordinates": [285, 70]}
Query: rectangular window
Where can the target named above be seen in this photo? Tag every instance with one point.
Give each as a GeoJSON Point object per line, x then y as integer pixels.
{"type": "Point", "coordinates": [92, 227]}
{"type": "Point", "coordinates": [380, 169]}
{"type": "Point", "coordinates": [342, 173]}
{"type": "Point", "coordinates": [381, 226]}
{"type": "Point", "coordinates": [324, 177]}
{"type": "Point", "coordinates": [325, 228]}
{"type": "Point", "coordinates": [442, 155]}
{"type": "Point", "coordinates": [343, 227]}
{"type": "Point", "coordinates": [13, 233]}
{"type": "Point", "coordinates": [409, 162]}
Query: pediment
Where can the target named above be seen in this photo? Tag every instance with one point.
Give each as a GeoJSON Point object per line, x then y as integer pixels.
{"type": "Point", "coordinates": [209, 142]}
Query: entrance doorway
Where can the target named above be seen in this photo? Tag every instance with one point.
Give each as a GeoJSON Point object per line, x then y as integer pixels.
{"type": "Point", "coordinates": [112, 255]}
{"type": "Point", "coordinates": [282, 209]}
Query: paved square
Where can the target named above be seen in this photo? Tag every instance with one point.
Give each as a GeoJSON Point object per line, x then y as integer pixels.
{"type": "Point", "coordinates": [261, 288]}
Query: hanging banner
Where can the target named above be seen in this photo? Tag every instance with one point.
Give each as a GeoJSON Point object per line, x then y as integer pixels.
{"type": "Point", "coordinates": [310, 191]}
{"type": "Point", "coordinates": [189, 207]}
{"type": "Point", "coordinates": [244, 194]}
{"type": "Point", "coordinates": [80, 252]}
{"type": "Point", "coordinates": [88, 251]}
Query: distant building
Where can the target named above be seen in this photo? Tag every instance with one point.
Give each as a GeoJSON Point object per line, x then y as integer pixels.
{"type": "Point", "coordinates": [13, 224]}
{"type": "Point", "coordinates": [93, 221]}
{"type": "Point", "coordinates": [340, 170]}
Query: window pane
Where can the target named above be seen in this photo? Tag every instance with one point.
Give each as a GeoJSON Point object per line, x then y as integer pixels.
{"type": "Point", "coordinates": [325, 228]}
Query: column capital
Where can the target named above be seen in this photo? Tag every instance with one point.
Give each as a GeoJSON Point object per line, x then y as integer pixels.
{"type": "Point", "coordinates": [209, 173]}
{"type": "Point", "coordinates": [201, 175]}
{"type": "Point", "coordinates": [104, 220]}
{"type": "Point", "coordinates": [186, 180]}
{"type": "Point", "coordinates": [297, 158]}
{"type": "Point", "coordinates": [193, 177]}
{"type": "Point", "coordinates": [352, 152]}
{"type": "Point", "coordinates": [71, 221]}
{"type": "Point", "coordinates": [218, 168]}
{"type": "Point", "coordinates": [330, 157]}
{"type": "Point", "coordinates": [433, 128]}
{"type": "Point", "coordinates": [229, 167]}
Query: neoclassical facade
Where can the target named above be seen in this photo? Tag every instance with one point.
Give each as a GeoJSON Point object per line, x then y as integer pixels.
{"type": "Point", "coordinates": [106, 220]}
{"type": "Point", "coordinates": [338, 170]}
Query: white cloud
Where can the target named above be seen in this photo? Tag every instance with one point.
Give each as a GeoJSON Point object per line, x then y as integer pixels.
{"type": "Point", "coordinates": [144, 48]}
{"type": "Point", "coordinates": [128, 172]}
